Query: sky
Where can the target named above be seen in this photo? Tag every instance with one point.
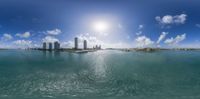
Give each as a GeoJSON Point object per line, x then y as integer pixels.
{"type": "Point", "coordinates": [109, 23]}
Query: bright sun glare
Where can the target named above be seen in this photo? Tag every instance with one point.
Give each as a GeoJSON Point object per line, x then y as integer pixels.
{"type": "Point", "coordinates": [100, 26]}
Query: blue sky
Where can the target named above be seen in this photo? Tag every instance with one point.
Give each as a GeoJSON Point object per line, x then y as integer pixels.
{"type": "Point", "coordinates": [111, 23]}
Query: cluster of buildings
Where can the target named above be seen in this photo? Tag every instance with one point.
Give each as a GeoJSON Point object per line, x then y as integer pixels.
{"type": "Point", "coordinates": [97, 47]}
{"type": "Point", "coordinates": [76, 44]}
{"type": "Point", "coordinates": [56, 45]}
{"type": "Point", "coordinates": [76, 47]}
{"type": "Point", "coordinates": [51, 46]}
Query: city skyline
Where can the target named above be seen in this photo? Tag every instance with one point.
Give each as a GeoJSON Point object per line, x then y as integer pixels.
{"type": "Point", "coordinates": [112, 24]}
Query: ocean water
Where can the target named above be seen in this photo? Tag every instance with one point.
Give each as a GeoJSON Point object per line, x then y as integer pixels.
{"type": "Point", "coordinates": [99, 75]}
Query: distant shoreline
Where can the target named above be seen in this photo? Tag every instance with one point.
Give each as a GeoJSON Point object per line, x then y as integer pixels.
{"type": "Point", "coordinates": [157, 49]}
{"type": "Point", "coordinates": [121, 49]}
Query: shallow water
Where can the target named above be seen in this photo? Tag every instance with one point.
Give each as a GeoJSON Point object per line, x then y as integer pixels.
{"type": "Point", "coordinates": [101, 74]}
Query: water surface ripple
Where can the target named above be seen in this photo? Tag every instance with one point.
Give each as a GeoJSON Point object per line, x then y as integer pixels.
{"type": "Point", "coordinates": [101, 74]}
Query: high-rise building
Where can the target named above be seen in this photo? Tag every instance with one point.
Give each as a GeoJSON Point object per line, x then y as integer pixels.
{"type": "Point", "coordinates": [56, 45]}
{"type": "Point", "coordinates": [50, 46]}
{"type": "Point", "coordinates": [99, 46]}
{"type": "Point", "coordinates": [96, 47]}
{"type": "Point", "coordinates": [84, 44]}
{"type": "Point", "coordinates": [76, 43]}
{"type": "Point", "coordinates": [44, 45]}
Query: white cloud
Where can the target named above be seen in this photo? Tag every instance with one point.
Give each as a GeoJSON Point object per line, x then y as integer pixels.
{"type": "Point", "coordinates": [103, 34]}
{"type": "Point", "coordinates": [49, 39]}
{"type": "Point", "coordinates": [198, 25]}
{"type": "Point", "coordinates": [176, 40]}
{"type": "Point", "coordinates": [138, 33]}
{"type": "Point", "coordinates": [54, 32]}
{"type": "Point", "coordinates": [68, 44]}
{"type": "Point", "coordinates": [115, 45]}
{"type": "Point", "coordinates": [141, 27]}
{"type": "Point", "coordinates": [180, 19]}
{"type": "Point", "coordinates": [24, 35]}
{"type": "Point", "coordinates": [7, 37]}
{"type": "Point", "coordinates": [162, 36]}
{"type": "Point", "coordinates": [169, 19]}
{"type": "Point", "coordinates": [36, 45]}
{"type": "Point", "coordinates": [195, 45]}
{"type": "Point", "coordinates": [93, 41]}
{"type": "Point", "coordinates": [143, 41]}
{"type": "Point", "coordinates": [23, 43]}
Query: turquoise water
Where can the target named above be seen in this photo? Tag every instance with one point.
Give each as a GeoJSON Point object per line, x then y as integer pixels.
{"type": "Point", "coordinates": [101, 74]}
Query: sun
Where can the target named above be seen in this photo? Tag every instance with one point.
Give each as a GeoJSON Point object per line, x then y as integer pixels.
{"type": "Point", "coordinates": [100, 26]}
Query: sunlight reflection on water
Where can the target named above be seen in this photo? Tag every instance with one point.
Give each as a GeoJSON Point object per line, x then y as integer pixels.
{"type": "Point", "coordinates": [99, 74]}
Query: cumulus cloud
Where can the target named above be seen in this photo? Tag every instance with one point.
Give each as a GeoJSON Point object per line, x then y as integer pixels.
{"type": "Point", "coordinates": [24, 35]}
{"type": "Point", "coordinates": [198, 25]}
{"type": "Point", "coordinates": [93, 41]}
{"type": "Point", "coordinates": [162, 36]}
{"type": "Point", "coordinates": [68, 44]}
{"type": "Point", "coordinates": [176, 40]}
{"type": "Point", "coordinates": [169, 19]}
{"type": "Point", "coordinates": [36, 45]}
{"type": "Point", "coordinates": [138, 33]}
{"type": "Point", "coordinates": [54, 32]}
{"type": "Point", "coordinates": [23, 43]}
{"type": "Point", "coordinates": [7, 37]}
{"type": "Point", "coordinates": [141, 27]}
{"type": "Point", "coordinates": [143, 41]}
{"type": "Point", "coordinates": [49, 39]}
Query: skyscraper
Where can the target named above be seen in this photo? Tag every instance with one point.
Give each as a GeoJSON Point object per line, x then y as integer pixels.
{"type": "Point", "coordinates": [50, 46]}
{"type": "Point", "coordinates": [44, 45]}
{"type": "Point", "coordinates": [76, 43]}
{"type": "Point", "coordinates": [84, 44]}
{"type": "Point", "coordinates": [96, 47]}
{"type": "Point", "coordinates": [56, 45]}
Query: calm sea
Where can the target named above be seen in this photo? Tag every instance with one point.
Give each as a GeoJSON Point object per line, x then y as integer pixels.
{"type": "Point", "coordinates": [98, 75]}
